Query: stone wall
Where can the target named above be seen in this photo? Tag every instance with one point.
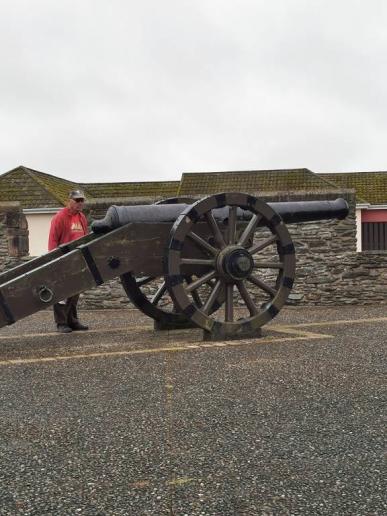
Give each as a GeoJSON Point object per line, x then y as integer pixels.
{"type": "Point", "coordinates": [13, 235]}
{"type": "Point", "coordinates": [329, 271]}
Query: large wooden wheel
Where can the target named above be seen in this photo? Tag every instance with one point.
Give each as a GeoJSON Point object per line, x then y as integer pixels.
{"type": "Point", "coordinates": [236, 259]}
{"type": "Point", "coordinates": [150, 294]}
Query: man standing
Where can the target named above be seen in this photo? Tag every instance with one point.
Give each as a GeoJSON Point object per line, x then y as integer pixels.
{"type": "Point", "coordinates": [68, 225]}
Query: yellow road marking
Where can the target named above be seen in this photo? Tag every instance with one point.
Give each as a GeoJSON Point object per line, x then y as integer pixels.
{"type": "Point", "coordinates": [274, 327]}
{"type": "Point", "coordinates": [294, 329]}
{"type": "Point", "coordinates": [56, 334]}
{"type": "Point", "coordinates": [332, 323]}
{"type": "Point", "coordinates": [180, 346]}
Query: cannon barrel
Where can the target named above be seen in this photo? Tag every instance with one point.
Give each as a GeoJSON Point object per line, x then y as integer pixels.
{"type": "Point", "coordinates": [307, 211]}
{"type": "Point", "coordinates": [290, 212]}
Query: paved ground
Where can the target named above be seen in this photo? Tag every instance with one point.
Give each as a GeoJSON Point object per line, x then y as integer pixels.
{"type": "Point", "coordinates": [120, 420]}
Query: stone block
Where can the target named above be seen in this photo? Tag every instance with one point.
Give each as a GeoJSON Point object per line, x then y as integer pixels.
{"type": "Point", "coordinates": [356, 273]}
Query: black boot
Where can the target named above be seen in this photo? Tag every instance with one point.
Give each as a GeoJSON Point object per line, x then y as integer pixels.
{"type": "Point", "coordinates": [63, 328]}
{"type": "Point", "coordinates": [78, 327]}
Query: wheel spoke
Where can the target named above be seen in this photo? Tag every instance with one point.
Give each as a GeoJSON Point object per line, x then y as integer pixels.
{"type": "Point", "coordinates": [144, 280]}
{"type": "Point", "coordinates": [215, 230]}
{"type": "Point", "coordinates": [247, 298]}
{"type": "Point", "coordinates": [202, 243]}
{"type": "Point", "coordinates": [195, 294]}
{"type": "Point", "coordinates": [196, 298]}
{"type": "Point", "coordinates": [212, 297]}
{"type": "Point", "coordinates": [196, 284]}
{"type": "Point", "coordinates": [262, 285]}
{"type": "Point", "coordinates": [159, 294]}
{"type": "Point", "coordinates": [196, 261]}
{"type": "Point", "coordinates": [249, 229]}
{"type": "Point", "coordinates": [229, 303]}
{"type": "Point", "coordinates": [268, 265]}
{"type": "Point", "coordinates": [258, 247]}
{"type": "Point", "coordinates": [232, 218]}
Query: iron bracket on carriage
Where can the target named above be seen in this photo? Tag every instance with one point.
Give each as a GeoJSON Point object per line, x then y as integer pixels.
{"type": "Point", "coordinates": [225, 263]}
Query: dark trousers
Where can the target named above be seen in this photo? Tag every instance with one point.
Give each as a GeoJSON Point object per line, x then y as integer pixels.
{"type": "Point", "coordinates": [66, 311]}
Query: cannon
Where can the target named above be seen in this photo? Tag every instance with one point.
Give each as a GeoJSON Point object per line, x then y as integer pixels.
{"type": "Point", "coordinates": [225, 263]}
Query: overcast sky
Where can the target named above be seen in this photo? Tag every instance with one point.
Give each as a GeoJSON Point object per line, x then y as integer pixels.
{"type": "Point", "coordinates": [121, 90]}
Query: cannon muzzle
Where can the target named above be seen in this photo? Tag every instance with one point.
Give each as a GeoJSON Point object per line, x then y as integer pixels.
{"type": "Point", "coordinates": [307, 211]}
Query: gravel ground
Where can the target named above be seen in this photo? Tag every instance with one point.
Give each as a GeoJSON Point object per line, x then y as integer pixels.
{"type": "Point", "coordinates": [123, 421]}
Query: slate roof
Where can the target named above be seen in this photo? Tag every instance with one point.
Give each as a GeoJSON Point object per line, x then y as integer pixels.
{"type": "Point", "coordinates": [34, 189]}
{"type": "Point", "coordinates": [136, 189]}
{"type": "Point", "coordinates": [252, 181]}
{"type": "Point", "coordinates": [371, 187]}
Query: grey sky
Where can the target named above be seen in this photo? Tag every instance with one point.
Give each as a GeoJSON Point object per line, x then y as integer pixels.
{"type": "Point", "coordinates": [121, 90]}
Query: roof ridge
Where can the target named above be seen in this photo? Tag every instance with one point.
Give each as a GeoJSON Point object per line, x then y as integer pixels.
{"type": "Point", "coordinates": [323, 179]}
{"type": "Point", "coordinates": [41, 183]}
{"type": "Point", "coordinates": [249, 171]}
{"type": "Point", "coordinates": [187, 176]}
{"type": "Point", "coordinates": [129, 182]}
{"type": "Point", "coordinates": [354, 172]}
{"type": "Point", "coordinates": [10, 171]}
{"type": "Point", "coordinates": [47, 175]}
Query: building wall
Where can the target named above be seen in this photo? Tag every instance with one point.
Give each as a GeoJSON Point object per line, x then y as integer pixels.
{"type": "Point", "coordinates": [374, 216]}
{"type": "Point", "coordinates": [39, 227]}
{"type": "Point", "coordinates": [358, 229]}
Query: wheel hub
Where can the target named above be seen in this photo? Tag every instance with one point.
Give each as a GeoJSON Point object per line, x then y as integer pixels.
{"type": "Point", "coordinates": [236, 263]}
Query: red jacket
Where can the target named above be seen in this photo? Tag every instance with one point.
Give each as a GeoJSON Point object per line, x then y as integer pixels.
{"type": "Point", "coordinates": [66, 227]}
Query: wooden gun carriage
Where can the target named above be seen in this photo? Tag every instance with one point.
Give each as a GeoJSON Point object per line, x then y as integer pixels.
{"type": "Point", "coordinates": [225, 263]}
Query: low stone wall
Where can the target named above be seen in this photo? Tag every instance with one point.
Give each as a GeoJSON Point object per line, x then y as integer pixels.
{"type": "Point", "coordinates": [364, 279]}
{"type": "Point", "coordinates": [329, 270]}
